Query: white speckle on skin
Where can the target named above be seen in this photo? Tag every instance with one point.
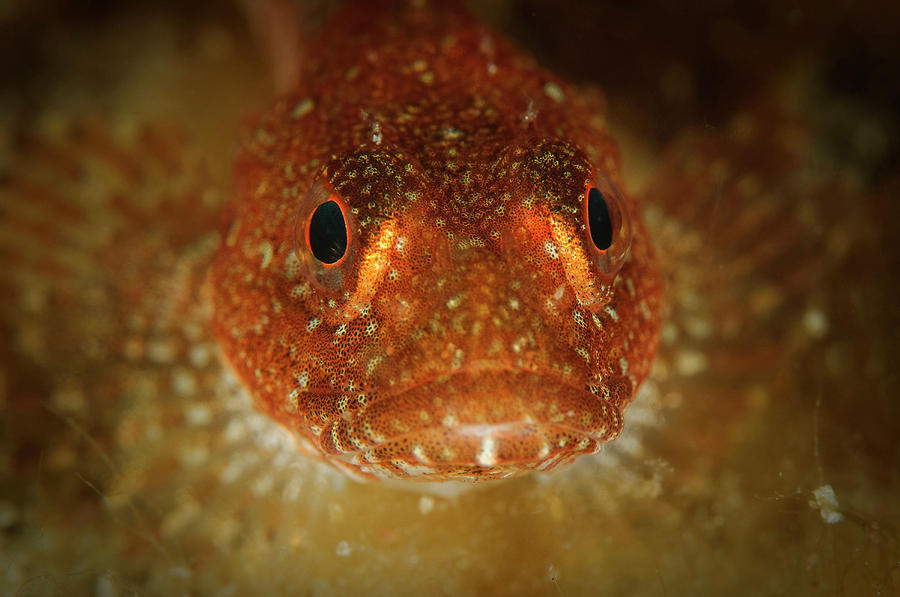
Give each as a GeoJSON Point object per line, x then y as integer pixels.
{"type": "Point", "coordinates": [554, 92]}
{"type": "Point", "coordinates": [231, 237]}
{"type": "Point", "coordinates": [313, 324]}
{"type": "Point", "coordinates": [419, 452]}
{"type": "Point", "coordinates": [458, 357]}
{"type": "Point", "coordinates": [303, 108]}
{"type": "Point", "coordinates": [302, 379]}
{"type": "Point", "coordinates": [579, 318]}
{"type": "Point", "coordinates": [487, 455]}
{"type": "Point", "coordinates": [301, 290]}
{"type": "Point", "coordinates": [291, 266]}
{"type": "Point", "coordinates": [551, 249]}
{"type": "Point", "coordinates": [645, 310]}
{"type": "Point", "coordinates": [265, 249]}
{"type": "Point", "coordinates": [373, 363]}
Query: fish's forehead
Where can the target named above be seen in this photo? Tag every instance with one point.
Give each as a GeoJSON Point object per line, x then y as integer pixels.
{"type": "Point", "coordinates": [436, 84]}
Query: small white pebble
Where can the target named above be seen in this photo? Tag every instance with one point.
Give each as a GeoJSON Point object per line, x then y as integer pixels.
{"type": "Point", "coordinates": [343, 549]}
{"type": "Point", "coordinates": [426, 504]}
{"type": "Point", "coordinates": [826, 502]}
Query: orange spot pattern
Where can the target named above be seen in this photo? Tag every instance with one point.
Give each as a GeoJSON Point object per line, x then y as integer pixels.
{"type": "Point", "coordinates": [471, 330]}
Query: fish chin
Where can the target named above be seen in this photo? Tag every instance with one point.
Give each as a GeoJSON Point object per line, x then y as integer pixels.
{"type": "Point", "coordinates": [473, 426]}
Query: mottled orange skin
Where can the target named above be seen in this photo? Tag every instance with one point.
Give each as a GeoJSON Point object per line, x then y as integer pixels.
{"type": "Point", "coordinates": [471, 331]}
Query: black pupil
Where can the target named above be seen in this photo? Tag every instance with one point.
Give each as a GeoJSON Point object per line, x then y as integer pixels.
{"type": "Point", "coordinates": [328, 233]}
{"type": "Point", "coordinates": [598, 219]}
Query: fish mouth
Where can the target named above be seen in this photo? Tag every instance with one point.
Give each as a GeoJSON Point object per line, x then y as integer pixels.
{"type": "Point", "coordinates": [474, 424]}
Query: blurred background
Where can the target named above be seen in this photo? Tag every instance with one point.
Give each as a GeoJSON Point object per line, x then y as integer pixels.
{"type": "Point", "coordinates": [720, 497]}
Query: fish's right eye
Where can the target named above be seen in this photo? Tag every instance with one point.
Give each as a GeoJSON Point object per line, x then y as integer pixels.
{"type": "Point", "coordinates": [608, 225]}
{"type": "Point", "coordinates": [326, 239]}
{"type": "Point", "coordinates": [598, 219]}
